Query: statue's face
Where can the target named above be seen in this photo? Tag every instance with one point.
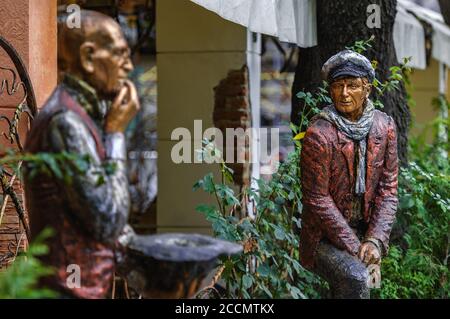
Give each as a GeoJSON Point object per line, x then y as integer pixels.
{"type": "Point", "coordinates": [111, 62]}
{"type": "Point", "coordinates": [349, 95]}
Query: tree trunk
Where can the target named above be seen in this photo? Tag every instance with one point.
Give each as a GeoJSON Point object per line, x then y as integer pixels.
{"type": "Point", "coordinates": [340, 23]}
{"type": "Point", "coordinates": [445, 9]}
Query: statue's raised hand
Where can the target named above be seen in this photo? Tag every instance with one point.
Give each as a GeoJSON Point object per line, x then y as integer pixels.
{"type": "Point", "coordinates": [123, 109]}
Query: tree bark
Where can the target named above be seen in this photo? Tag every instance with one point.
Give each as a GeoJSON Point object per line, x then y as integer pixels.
{"type": "Point", "coordinates": [340, 23]}
{"type": "Point", "coordinates": [445, 10]}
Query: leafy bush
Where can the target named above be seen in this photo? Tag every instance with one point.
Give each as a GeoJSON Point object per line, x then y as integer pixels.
{"type": "Point", "coordinates": [417, 265]}
{"type": "Point", "coordinates": [20, 279]}
{"type": "Point", "coordinates": [269, 266]}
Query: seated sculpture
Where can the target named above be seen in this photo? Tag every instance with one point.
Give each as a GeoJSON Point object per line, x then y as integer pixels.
{"type": "Point", "coordinates": [87, 114]}
{"type": "Point", "coordinates": [349, 169]}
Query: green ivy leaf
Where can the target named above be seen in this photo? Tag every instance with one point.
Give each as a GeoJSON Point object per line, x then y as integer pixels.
{"type": "Point", "coordinates": [209, 211]}
{"type": "Point", "coordinates": [263, 270]}
{"type": "Point", "coordinates": [296, 293]}
{"type": "Point", "coordinates": [206, 183]}
{"type": "Point", "coordinates": [247, 281]}
{"type": "Point", "coordinates": [266, 290]}
{"type": "Point", "coordinates": [279, 234]}
{"type": "Point", "coordinates": [301, 95]}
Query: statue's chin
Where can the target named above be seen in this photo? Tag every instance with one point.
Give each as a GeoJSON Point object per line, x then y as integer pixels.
{"type": "Point", "coordinates": [118, 88]}
{"type": "Point", "coordinates": [120, 83]}
{"type": "Point", "coordinates": [110, 94]}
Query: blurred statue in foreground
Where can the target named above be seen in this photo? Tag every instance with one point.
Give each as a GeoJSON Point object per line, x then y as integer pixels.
{"type": "Point", "coordinates": [87, 114]}
{"type": "Point", "coordinates": [349, 170]}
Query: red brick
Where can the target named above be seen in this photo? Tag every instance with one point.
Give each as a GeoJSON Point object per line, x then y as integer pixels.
{"type": "Point", "coordinates": [4, 128]}
{"type": "Point", "coordinates": [232, 110]}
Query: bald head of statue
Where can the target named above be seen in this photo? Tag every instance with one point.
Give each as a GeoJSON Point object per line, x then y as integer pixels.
{"type": "Point", "coordinates": [97, 52]}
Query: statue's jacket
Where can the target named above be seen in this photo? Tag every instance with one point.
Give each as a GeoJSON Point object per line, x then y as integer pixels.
{"type": "Point", "coordinates": [87, 213]}
{"type": "Point", "coordinates": [328, 178]}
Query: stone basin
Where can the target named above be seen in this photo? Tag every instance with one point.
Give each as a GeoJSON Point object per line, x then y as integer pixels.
{"type": "Point", "coordinates": [171, 265]}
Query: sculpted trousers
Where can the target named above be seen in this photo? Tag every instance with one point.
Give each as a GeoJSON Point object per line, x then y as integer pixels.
{"type": "Point", "coordinates": [346, 274]}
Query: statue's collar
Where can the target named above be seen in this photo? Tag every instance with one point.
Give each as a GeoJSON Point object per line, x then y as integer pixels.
{"type": "Point", "coordinates": [87, 97]}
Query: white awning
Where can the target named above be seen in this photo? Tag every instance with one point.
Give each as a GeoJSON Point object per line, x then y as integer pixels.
{"type": "Point", "coordinates": [409, 39]}
{"type": "Point", "coordinates": [441, 31]}
{"type": "Point", "coordinates": [291, 21]}
{"type": "Point", "coordinates": [294, 21]}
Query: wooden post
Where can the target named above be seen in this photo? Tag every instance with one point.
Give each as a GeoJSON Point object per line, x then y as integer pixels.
{"type": "Point", "coordinates": [443, 110]}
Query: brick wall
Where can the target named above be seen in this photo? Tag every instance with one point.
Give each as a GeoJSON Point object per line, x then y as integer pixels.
{"type": "Point", "coordinates": [30, 26]}
{"type": "Point", "coordinates": [14, 19]}
{"type": "Point", "coordinates": [232, 110]}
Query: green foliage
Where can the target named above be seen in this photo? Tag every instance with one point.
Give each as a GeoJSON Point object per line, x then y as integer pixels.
{"type": "Point", "coordinates": [310, 106]}
{"type": "Point", "coordinates": [362, 46]}
{"type": "Point", "coordinates": [417, 265]}
{"type": "Point", "coordinates": [397, 76]}
{"type": "Point", "coordinates": [20, 279]}
{"type": "Point", "coordinates": [63, 166]}
{"type": "Point", "coordinates": [269, 266]}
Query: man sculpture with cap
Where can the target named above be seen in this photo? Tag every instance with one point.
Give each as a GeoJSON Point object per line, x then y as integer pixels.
{"type": "Point", "coordinates": [349, 169]}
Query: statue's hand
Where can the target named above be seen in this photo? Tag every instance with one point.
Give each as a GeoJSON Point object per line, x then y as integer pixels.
{"type": "Point", "coordinates": [369, 253]}
{"type": "Point", "coordinates": [123, 109]}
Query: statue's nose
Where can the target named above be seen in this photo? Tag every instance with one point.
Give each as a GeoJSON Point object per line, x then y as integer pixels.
{"type": "Point", "coordinates": [128, 66]}
{"type": "Point", "coordinates": [345, 91]}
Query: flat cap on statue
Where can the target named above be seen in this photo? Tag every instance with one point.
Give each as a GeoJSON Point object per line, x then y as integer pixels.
{"type": "Point", "coordinates": [347, 63]}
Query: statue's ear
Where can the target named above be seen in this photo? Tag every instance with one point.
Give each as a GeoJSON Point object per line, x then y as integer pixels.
{"type": "Point", "coordinates": [86, 57]}
{"type": "Point", "coordinates": [368, 89]}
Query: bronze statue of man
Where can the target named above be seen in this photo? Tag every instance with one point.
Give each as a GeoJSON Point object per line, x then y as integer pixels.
{"type": "Point", "coordinates": [349, 169]}
{"type": "Point", "coordinates": [86, 115]}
